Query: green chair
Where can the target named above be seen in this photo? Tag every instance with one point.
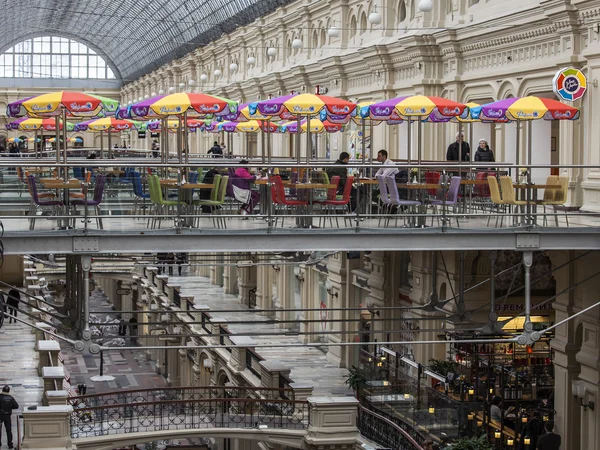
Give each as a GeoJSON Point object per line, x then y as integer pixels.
{"type": "Point", "coordinates": [217, 200]}
{"type": "Point", "coordinates": [162, 207]}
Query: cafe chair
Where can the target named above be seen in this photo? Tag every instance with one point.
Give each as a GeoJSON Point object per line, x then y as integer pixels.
{"type": "Point", "coordinates": [95, 201]}
{"type": "Point", "coordinates": [37, 203]}
{"type": "Point", "coordinates": [497, 201]}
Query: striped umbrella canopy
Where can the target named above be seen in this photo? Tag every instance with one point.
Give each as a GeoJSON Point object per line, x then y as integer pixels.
{"type": "Point", "coordinates": [416, 106]}
{"type": "Point", "coordinates": [77, 104]}
{"type": "Point", "coordinates": [176, 104]}
{"type": "Point", "coordinates": [250, 126]}
{"type": "Point", "coordinates": [33, 124]}
{"type": "Point", "coordinates": [304, 105]}
{"type": "Point", "coordinates": [316, 126]}
{"type": "Point", "coordinates": [529, 108]}
{"type": "Point", "coordinates": [109, 124]}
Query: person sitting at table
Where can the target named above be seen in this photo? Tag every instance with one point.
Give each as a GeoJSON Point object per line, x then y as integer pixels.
{"type": "Point", "coordinates": [496, 412]}
{"type": "Point", "coordinates": [483, 153]}
{"type": "Point", "coordinates": [204, 194]}
{"type": "Point", "coordinates": [453, 149]}
{"type": "Point", "coordinates": [342, 172]}
{"type": "Point", "coordinates": [242, 191]}
{"type": "Point", "coordinates": [391, 170]}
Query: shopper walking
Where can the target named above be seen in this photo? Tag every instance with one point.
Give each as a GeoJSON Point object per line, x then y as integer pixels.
{"type": "Point", "coordinates": [550, 440]}
{"type": "Point", "coordinates": [7, 404]}
{"type": "Point", "coordinates": [13, 304]}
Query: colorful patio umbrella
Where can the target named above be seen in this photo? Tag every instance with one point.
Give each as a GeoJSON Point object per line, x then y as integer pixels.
{"type": "Point", "coordinates": [173, 124]}
{"type": "Point", "coordinates": [316, 126]}
{"type": "Point", "coordinates": [16, 109]}
{"type": "Point", "coordinates": [417, 106]}
{"type": "Point", "coordinates": [243, 114]}
{"type": "Point", "coordinates": [14, 140]}
{"type": "Point", "coordinates": [33, 124]}
{"type": "Point", "coordinates": [180, 103]}
{"type": "Point", "coordinates": [112, 124]}
{"type": "Point", "coordinates": [33, 140]}
{"type": "Point", "coordinates": [529, 108]}
{"type": "Point", "coordinates": [251, 126]}
{"type": "Point", "coordinates": [78, 104]}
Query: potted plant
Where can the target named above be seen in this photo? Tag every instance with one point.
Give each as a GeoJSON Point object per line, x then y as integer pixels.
{"type": "Point", "coordinates": [472, 443]}
{"type": "Point", "coordinates": [355, 379]}
{"type": "Point", "coordinates": [442, 366]}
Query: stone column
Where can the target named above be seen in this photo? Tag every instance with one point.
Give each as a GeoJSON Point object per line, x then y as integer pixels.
{"type": "Point", "coordinates": [47, 427]}
{"type": "Point", "coordinates": [216, 271]}
{"type": "Point", "coordinates": [238, 352]}
{"type": "Point", "coordinates": [230, 279]}
{"type": "Point", "coordinates": [246, 283]}
{"type": "Point", "coordinates": [270, 372]}
{"type": "Point", "coordinates": [264, 287]}
{"type": "Point", "coordinates": [48, 354]}
{"type": "Point", "coordinates": [284, 298]}
{"type": "Point", "coordinates": [589, 119]}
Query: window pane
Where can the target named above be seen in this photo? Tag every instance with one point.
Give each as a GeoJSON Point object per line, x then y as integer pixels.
{"type": "Point", "coordinates": [46, 48]}
{"type": "Point", "coordinates": [109, 73]}
{"type": "Point", "coordinates": [93, 72]}
{"type": "Point", "coordinates": [37, 45]}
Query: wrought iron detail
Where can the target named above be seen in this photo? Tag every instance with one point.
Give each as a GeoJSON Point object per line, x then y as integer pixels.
{"type": "Point", "coordinates": [384, 432]}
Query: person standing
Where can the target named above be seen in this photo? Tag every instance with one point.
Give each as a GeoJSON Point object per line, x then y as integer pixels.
{"type": "Point", "coordinates": [216, 150]}
{"type": "Point", "coordinates": [459, 146]}
{"type": "Point", "coordinates": [155, 149]}
{"type": "Point", "coordinates": [483, 153]}
{"type": "Point", "coordinates": [14, 297]}
{"type": "Point", "coordinates": [550, 440]}
{"type": "Point", "coordinates": [7, 404]}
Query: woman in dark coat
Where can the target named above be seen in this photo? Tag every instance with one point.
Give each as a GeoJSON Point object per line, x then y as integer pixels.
{"type": "Point", "coordinates": [13, 304]}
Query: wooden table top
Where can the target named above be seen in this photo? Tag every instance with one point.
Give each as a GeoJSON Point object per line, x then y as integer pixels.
{"type": "Point", "coordinates": [537, 186]}
{"type": "Point", "coordinates": [464, 182]}
{"type": "Point", "coordinates": [62, 185]}
{"type": "Point", "coordinates": [173, 184]}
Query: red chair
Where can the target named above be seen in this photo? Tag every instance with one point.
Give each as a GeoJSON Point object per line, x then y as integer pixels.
{"type": "Point", "coordinates": [432, 178]}
{"type": "Point", "coordinates": [279, 198]}
{"type": "Point", "coordinates": [481, 192]}
{"type": "Point", "coordinates": [344, 202]}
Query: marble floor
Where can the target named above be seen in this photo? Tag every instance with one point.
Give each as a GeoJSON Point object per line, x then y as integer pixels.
{"type": "Point", "coordinates": [308, 365]}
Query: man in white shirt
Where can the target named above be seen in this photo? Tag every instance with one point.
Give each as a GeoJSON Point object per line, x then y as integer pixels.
{"type": "Point", "coordinates": [390, 170]}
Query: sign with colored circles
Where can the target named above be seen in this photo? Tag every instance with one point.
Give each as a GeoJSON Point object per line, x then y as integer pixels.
{"type": "Point", "coordinates": [569, 84]}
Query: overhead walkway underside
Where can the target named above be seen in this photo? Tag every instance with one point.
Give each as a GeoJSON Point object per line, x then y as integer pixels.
{"type": "Point", "coordinates": [214, 240]}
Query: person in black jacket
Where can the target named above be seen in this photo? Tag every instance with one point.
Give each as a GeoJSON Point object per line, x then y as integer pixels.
{"type": "Point", "coordinates": [483, 153]}
{"type": "Point", "coordinates": [7, 404]}
{"type": "Point", "coordinates": [550, 440]}
{"type": "Point", "coordinates": [341, 172]}
{"type": "Point", "coordinates": [13, 304]}
{"type": "Point", "coordinates": [216, 150]}
{"type": "Point", "coordinates": [453, 149]}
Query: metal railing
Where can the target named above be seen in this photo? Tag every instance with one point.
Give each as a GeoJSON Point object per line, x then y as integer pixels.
{"type": "Point", "coordinates": [474, 208]}
{"type": "Point", "coordinates": [190, 413]}
{"type": "Point", "coordinates": [384, 432]}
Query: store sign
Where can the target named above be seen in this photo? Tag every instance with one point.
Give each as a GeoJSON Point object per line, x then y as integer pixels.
{"type": "Point", "coordinates": [141, 135]}
{"type": "Point", "coordinates": [519, 307]}
{"type": "Point", "coordinates": [569, 84]}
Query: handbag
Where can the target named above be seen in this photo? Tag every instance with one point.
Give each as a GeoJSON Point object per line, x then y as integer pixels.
{"type": "Point", "coordinates": [241, 195]}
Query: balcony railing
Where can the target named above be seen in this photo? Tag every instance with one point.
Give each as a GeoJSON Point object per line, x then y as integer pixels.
{"type": "Point", "coordinates": [123, 206]}
{"type": "Point", "coordinates": [384, 432]}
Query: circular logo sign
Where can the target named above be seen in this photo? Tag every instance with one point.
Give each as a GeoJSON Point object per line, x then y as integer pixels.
{"type": "Point", "coordinates": [569, 84]}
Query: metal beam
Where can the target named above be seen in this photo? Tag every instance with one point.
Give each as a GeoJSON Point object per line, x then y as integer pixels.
{"type": "Point", "coordinates": [300, 240]}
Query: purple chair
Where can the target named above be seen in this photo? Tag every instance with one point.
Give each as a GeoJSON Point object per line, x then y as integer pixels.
{"type": "Point", "coordinates": [451, 198]}
{"type": "Point", "coordinates": [95, 202]}
{"type": "Point", "coordinates": [394, 199]}
{"type": "Point", "coordinates": [37, 203]}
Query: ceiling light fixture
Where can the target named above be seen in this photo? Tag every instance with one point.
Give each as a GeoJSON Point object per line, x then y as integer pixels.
{"type": "Point", "coordinates": [375, 16]}
{"type": "Point", "coordinates": [425, 5]}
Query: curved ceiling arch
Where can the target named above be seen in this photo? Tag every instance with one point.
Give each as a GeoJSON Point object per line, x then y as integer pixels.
{"type": "Point", "coordinates": [136, 36]}
{"type": "Point", "coordinates": [4, 47]}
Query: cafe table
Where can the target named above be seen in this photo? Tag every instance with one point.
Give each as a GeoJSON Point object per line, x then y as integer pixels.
{"type": "Point", "coordinates": [535, 188]}
{"type": "Point", "coordinates": [61, 185]}
{"type": "Point", "coordinates": [186, 195]}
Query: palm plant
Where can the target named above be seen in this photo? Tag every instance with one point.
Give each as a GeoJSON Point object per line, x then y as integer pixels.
{"type": "Point", "coordinates": [355, 379]}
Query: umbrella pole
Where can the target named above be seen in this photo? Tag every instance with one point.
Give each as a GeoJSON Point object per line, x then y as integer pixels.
{"type": "Point", "coordinates": [308, 148]}
{"type": "Point", "coordinates": [57, 143]}
{"type": "Point", "coordinates": [269, 149]}
{"type": "Point", "coordinates": [298, 125]}
{"type": "Point", "coordinates": [101, 144]}
{"type": "Point", "coordinates": [165, 138]}
{"type": "Point", "coordinates": [529, 155]}
{"type": "Point", "coordinates": [35, 135]}
{"type": "Point", "coordinates": [518, 151]}
{"type": "Point", "coordinates": [179, 140]}
{"type": "Point", "coordinates": [363, 130]}
{"type": "Point", "coordinates": [185, 142]}
{"type": "Point", "coordinates": [64, 113]}
{"type": "Point", "coordinates": [409, 143]}
{"type": "Point", "coordinates": [110, 150]}
{"type": "Point", "coordinates": [419, 144]}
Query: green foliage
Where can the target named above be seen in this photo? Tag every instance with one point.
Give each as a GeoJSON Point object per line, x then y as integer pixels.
{"type": "Point", "coordinates": [442, 366]}
{"type": "Point", "coordinates": [473, 443]}
{"type": "Point", "coordinates": [355, 379]}
{"type": "Point", "coordinates": [151, 446]}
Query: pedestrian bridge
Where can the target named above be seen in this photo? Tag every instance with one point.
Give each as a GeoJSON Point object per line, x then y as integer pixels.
{"type": "Point", "coordinates": [129, 417]}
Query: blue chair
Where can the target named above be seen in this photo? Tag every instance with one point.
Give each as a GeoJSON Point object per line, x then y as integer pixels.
{"type": "Point", "coordinates": [138, 190]}
{"type": "Point", "coordinates": [78, 173]}
{"type": "Point", "coordinates": [451, 198]}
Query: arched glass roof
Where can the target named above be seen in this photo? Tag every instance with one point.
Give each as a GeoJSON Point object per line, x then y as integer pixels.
{"type": "Point", "coordinates": [136, 36]}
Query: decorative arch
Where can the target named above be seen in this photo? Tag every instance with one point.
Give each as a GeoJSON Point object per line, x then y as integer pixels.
{"type": "Point", "coordinates": [315, 39]}
{"type": "Point", "coordinates": [402, 11]}
{"type": "Point", "coordinates": [475, 93]}
{"type": "Point", "coordinates": [507, 89]}
{"type": "Point", "coordinates": [323, 37]}
{"type": "Point", "coordinates": [363, 23]}
{"type": "Point", "coordinates": [353, 26]}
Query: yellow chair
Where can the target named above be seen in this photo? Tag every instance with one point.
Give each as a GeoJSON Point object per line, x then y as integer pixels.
{"type": "Point", "coordinates": [497, 200]}
{"type": "Point", "coordinates": [508, 194]}
{"type": "Point", "coordinates": [559, 197]}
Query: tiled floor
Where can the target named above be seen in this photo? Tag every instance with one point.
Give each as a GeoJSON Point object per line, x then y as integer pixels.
{"type": "Point", "coordinates": [308, 364]}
